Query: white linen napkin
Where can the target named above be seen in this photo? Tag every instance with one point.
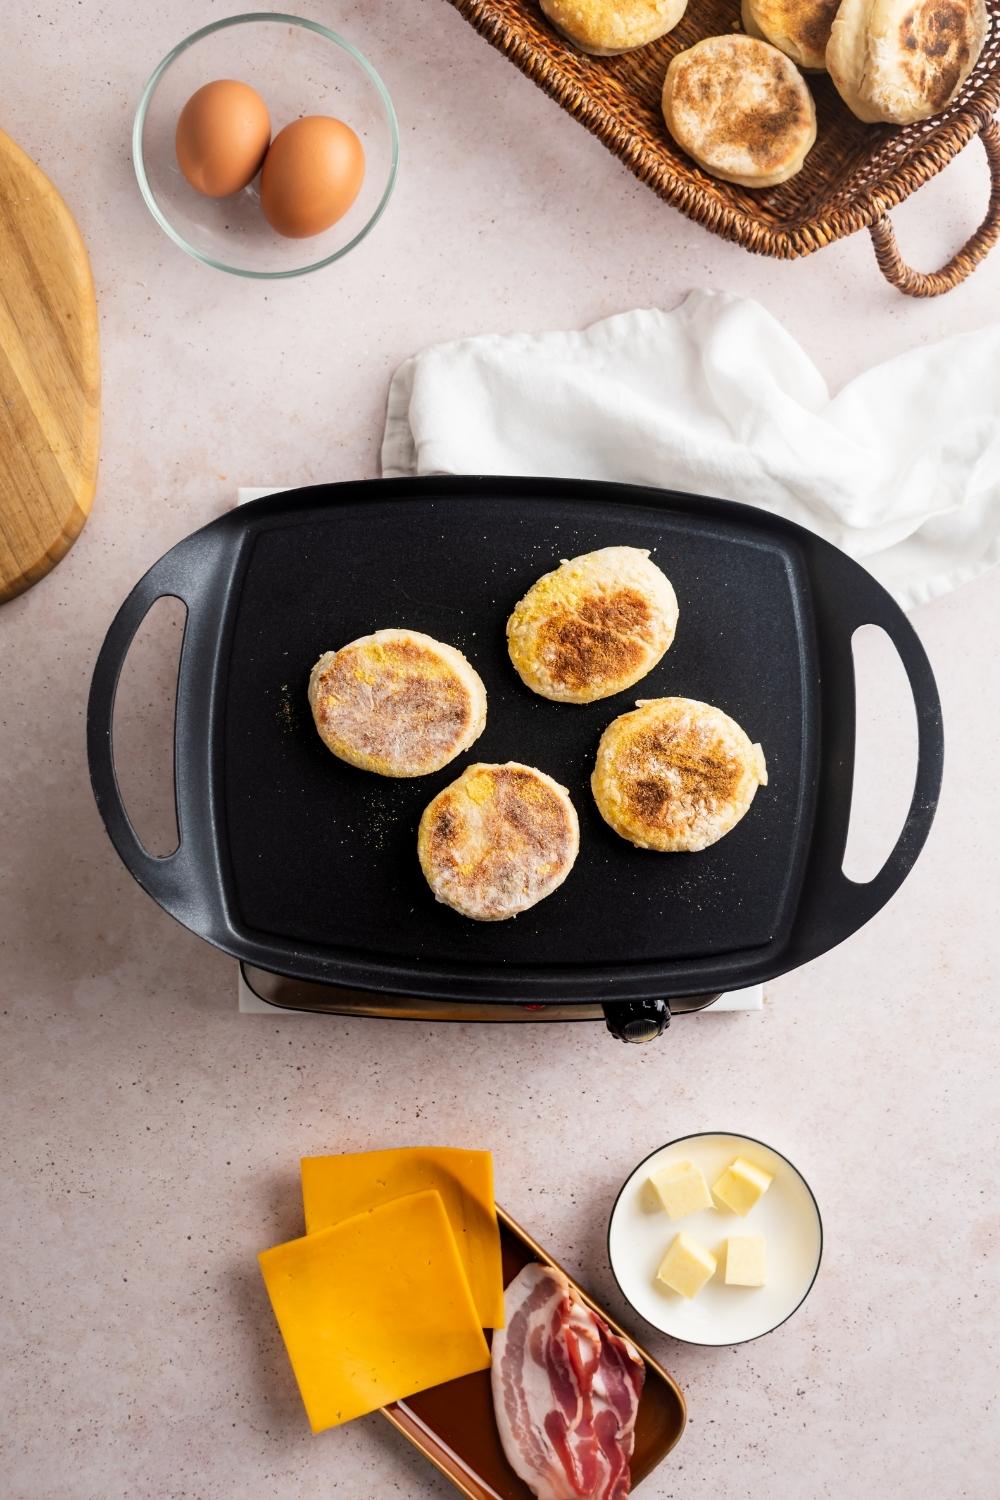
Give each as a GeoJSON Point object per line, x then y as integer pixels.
{"type": "Point", "coordinates": [250, 1004]}
{"type": "Point", "coordinates": [901, 468]}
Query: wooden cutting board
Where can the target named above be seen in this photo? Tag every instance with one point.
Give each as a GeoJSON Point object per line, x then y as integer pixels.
{"type": "Point", "coordinates": [49, 375]}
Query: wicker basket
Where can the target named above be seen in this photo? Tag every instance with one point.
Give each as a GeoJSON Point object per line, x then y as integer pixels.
{"type": "Point", "coordinates": [854, 174]}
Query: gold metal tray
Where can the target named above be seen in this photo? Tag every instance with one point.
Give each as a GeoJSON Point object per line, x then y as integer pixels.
{"type": "Point", "coordinates": [454, 1427]}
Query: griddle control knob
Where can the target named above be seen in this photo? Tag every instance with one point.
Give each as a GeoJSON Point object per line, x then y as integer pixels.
{"type": "Point", "coordinates": [637, 1020]}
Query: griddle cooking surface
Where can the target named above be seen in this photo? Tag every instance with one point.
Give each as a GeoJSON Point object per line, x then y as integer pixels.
{"type": "Point", "coordinates": [324, 854]}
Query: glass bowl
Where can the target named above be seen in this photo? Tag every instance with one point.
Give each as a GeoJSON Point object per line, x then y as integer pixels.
{"type": "Point", "coordinates": [299, 68]}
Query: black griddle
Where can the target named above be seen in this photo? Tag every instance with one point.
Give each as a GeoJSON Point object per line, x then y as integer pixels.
{"type": "Point", "coordinates": [303, 866]}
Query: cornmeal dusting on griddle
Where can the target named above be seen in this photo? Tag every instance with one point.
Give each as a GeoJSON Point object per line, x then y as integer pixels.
{"type": "Point", "coordinates": [285, 712]}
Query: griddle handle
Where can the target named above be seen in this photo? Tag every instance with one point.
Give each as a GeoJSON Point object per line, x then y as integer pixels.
{"type": "Point", "coordinates": [190, 572]}
{"type": "Point", "coordinates": [838, 905]}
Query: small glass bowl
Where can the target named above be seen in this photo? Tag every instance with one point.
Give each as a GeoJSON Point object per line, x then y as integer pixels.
{"type": "Point", "coordinates": [299, 68]}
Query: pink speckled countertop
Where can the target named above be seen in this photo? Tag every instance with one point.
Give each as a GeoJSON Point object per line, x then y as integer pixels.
{"type": "Point", "coordinates": [151, 1133]}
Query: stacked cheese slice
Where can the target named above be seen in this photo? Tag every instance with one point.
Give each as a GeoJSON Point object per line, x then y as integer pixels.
{"type": "Point", "coordinates": [397, 1275]}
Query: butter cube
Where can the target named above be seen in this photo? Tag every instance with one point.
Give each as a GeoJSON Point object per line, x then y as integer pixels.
{"type": "Point", "coordinates": [741, 1184]}
{"type": "Point", "coordinates": [686, 1266]}
{"type": "Point", "coordinates": [745, 1260]}
{"type": "Point", "coordinates": [681, 1189]}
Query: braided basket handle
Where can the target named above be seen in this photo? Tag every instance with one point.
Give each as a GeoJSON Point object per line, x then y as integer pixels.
{"type": "Point", "coordinates": [976, 248]}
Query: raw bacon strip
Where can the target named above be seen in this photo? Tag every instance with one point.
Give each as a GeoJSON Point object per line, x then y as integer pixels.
{"type": "Point", "coordinates": [566, 1391]}
{"type": "Point", "coordinates": [522, 1382]}
{"type": "Point", "coordinates": [617, 1391]}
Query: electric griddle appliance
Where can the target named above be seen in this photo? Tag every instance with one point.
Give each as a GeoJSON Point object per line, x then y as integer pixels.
{"type": "Point", "coordinates": [305, 868]}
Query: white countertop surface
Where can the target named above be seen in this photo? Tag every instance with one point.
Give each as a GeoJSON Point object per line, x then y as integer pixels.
{"type": "Point", "coordinates": [152, 1133]}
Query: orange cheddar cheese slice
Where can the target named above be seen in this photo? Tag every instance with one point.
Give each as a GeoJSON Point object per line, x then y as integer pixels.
{"type": "Point", "coordinates": [374, 1309]}
{"type": "Point", "coordinates": [333, 1187]}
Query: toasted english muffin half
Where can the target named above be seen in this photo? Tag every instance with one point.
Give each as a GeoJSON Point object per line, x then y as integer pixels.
{"type": "Point", "coordinates": [605, 28]}
{"type": "Point", "coordinates": [498, 840]}
{"type": "Point", "coordinates": [899, 61]}
{"type": "Point", "coordinates": [741, 109]}
{"type": "Point", "coordinates": [675, 775]}
{"type": "Point", "coordinates": [594, 626]}
{"type": "Point", "coordinates": [397, 703]}
{"type": "Point", "coordinates": [799, 28]}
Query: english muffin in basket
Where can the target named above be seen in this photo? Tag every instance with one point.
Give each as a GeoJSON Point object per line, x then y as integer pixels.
{"type": "Point", "coordinates": [607, 27]}
{"type": "Point", "coordinates": [594, 626]}
{"type": "Point", "coordinates": [799, 28]}
{"type": "Point", "coordinates": [498, 840]}
{"type": "Point", "coordinates": [675, 775]}
{"type": "Point", "coordinates": [741, 109]}
{"type": "Point", "coordinates": [904, 60]}
{"type": "Point", "coordinates": [397, 703]}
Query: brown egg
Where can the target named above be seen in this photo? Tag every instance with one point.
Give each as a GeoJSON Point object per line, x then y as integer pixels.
{"type": "Point", "coordinates": [222, 137]}
{"type": "Point", "coordinates": [312, 174]}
